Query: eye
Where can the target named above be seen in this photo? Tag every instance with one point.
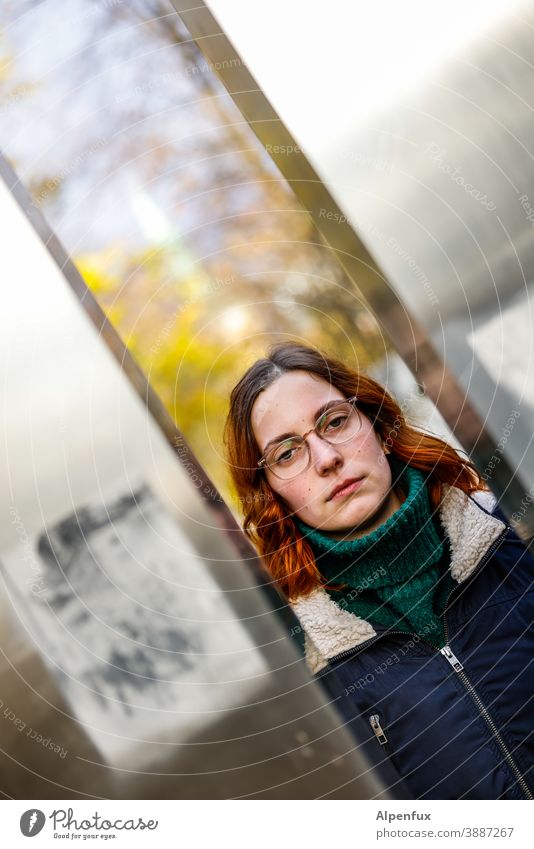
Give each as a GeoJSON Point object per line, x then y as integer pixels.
{"type": "Point", "coordinates": [285, 456]}
{"type": "Point", "coordinates": [335, 422]}
{"type": "Point", "coordinates": [285, 453]}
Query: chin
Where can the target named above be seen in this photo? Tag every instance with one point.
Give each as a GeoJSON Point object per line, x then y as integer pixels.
{"type": "Point", "coordinates": [353, 518]}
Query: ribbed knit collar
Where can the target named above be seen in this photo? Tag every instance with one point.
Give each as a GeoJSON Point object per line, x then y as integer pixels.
{"type": "Point", "coordinates": [409, 541]}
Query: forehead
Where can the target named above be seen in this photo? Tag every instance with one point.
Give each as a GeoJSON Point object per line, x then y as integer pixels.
{"type": "Point", "coordinates": [289, 404]}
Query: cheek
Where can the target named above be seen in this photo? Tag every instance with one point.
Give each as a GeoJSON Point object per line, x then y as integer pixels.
{"type": "Point", "coordinates": [386, 473]}
{"type": "Point", "coordinates": [376, 460]}
{"type": "Point", "coordinates": [370, 445]}
{"type": "Point", "coordinates": [295, 493]}
{"type": "Point", "coordinates": [383, 474]}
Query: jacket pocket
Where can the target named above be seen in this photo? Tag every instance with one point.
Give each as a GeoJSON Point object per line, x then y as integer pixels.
{"type": "Point", "coordinates": [383, 742]}
{"type": "Point", "coordinates": [380, 732]}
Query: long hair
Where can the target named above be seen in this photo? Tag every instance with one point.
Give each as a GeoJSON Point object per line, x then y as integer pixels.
{"type": "Point", "coordinates": [267, 522]}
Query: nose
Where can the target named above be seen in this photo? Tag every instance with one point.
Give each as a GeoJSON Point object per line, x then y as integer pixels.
{"type": "Point", "coordinates": [325, 455]}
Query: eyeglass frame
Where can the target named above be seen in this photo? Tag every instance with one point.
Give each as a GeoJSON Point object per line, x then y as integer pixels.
{"type": "Point", "coordinates": [262, 461]}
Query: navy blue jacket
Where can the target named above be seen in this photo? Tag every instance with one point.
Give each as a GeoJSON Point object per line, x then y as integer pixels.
{"type": "Point", "coordinates": [456, 722]}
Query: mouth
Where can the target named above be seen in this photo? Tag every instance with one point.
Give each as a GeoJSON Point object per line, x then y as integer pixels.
{"type": "Point", "coordinates": [345, 488]}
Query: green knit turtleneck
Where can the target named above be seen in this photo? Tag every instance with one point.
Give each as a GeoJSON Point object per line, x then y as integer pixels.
{"type": "Point", "coordinates": [397, 576]}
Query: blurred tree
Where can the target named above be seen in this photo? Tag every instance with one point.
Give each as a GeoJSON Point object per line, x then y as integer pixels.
{"type": "Point", "coordinates": [179, 221]}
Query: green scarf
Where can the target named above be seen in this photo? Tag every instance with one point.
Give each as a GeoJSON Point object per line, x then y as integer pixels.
{"type": "Point", "coordinates": [397, 576]}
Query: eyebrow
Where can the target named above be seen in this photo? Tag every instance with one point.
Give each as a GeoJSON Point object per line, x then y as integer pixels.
{"type": "Point", "coordinates": [322, 409]}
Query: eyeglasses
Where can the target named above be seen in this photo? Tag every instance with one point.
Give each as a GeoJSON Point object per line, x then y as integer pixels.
{"type": "Point", "coordinates": [289, 458]}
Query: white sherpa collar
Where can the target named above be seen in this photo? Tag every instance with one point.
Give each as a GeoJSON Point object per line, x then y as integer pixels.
{"type": "Point", "coordinates": [471, 530]}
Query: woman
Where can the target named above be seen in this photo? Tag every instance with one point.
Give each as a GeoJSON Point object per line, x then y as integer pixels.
{"type": "Point", "coordinates": [412, 589]}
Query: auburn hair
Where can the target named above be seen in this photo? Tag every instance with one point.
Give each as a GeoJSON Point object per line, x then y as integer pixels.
{"type": "Point", "coordinates": [267, 522]}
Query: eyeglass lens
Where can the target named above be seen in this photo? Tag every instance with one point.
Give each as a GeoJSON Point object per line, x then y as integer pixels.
{"type": "Point", "coordinates": [337, 425]}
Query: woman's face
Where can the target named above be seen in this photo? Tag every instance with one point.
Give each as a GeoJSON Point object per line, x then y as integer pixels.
{"type": "Point", "coordinates": [289, 405]}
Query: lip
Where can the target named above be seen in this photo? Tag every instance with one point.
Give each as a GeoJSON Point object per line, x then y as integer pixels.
{"type": "Point", "coordinates": [345, 488]}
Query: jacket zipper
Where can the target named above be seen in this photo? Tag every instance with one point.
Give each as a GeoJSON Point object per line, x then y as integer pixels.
{"type": "Point", "coordinates": [458, 668]}
{"type": "Point", "coordinates": [447, 652]}
{"type": "Point", "coordinates": [377, 728]}
{"type": "Point", "coordinates": [449, 655]}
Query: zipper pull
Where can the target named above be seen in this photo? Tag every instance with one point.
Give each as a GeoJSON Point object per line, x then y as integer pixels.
{"type": "Point", "coordinates": [451, 657]}
{"type": "Point", "coordinates": [377, 728]}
